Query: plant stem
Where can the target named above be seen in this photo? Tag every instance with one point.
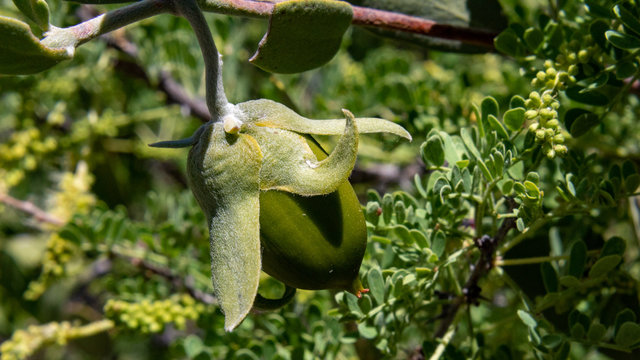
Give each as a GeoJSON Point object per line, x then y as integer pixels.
{"type": "Point", "coordinates": [538, 259]}
{"type": "Point", "coordinates": [31, 209]}
{"type": "Point", "coordinates": [216, 98]}
{"type": "Point", "coordinates": [363, 16]}
{"type": "Point", "coordinates": [76, 35]}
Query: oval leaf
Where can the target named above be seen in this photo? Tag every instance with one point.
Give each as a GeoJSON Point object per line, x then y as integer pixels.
{"type": "Point", "coordinates": [302, 35]}
{"type": "Point", "coordinates": [604, 265]}
{"type": "Point", "coordinates": [622, 41]}
{"type": "Point", "coordinates": [22, 53]}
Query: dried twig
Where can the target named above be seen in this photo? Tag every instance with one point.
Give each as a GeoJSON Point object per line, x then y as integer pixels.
{"type": "Point", "coordinates": [31, 209]}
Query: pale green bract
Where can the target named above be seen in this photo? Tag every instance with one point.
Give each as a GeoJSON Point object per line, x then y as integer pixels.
{"type": "Point", "coordinates": [257, 146]}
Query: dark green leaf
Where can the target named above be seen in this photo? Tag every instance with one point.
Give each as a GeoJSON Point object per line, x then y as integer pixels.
{"type": "Point", "coordinates": [628, 19]}
{"type": "Point", "coordinates": [628, 168]}
{"type": "Point", "coordinates": [533, 37]}
{"type": "Point", "coordinates": [604, 265]}
{"type": "Point", "coordinates": [625, 69]}
{"type": "Point", "coordinates": [631, 183]}
{"type": "Point", "coordinates": [613, 246]}
{"type": "Point", "coordinates": [590, 98]}
{"type": "Point", "coordinates": [516, 102]}
{"type": "Point", "coordinates": [626, 315]}
{"type": "Point", "coordinates": [489, 106]}
{"type": "Point", "coordinates": [302, 35]}
{"type": "Point", "coordinates": [549, 277]}
{"type": "Point", "coordinates": [597, 30]}
{"type": "Point", "coordinates": [596, 332]}
{"type": "Point", "coordinates": [622, 41]}
{"type": "Point", "coordinates": [628, 335]}
{"type": "Point", "coordinates": [509, 43]}
{"type": "Point", "coordinates": [577, 259]}
{"type": "Point", "coordinates": [579, 121]}
{"type": "Point", "coordinates": [387, 208]}
{"type": "Point", "coordinates": [552, 340]}
{"type": "Point", "coordinates": [22, 53]}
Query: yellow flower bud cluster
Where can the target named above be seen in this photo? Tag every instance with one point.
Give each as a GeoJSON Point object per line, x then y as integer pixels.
{"type": "Point", "coordinates": [58, 253]}
{"type": "Point", "coordinates": [152, 316]}
{"type": "Point", "coordinates": [21, 153]}
{"type": "Point", "coordinates": [74, 194]}
{"type": "Point", "coordinates": [24, 343]}
{"type": "Point", "coordinates": [555, 77]}
{"type": "Point", "coordinates": [543, 115]}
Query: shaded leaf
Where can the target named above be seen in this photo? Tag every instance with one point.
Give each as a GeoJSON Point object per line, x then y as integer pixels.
{"type": "Point", "coordinates": [577, 259]}
{"type": "Point", "coordinates": [604, 265]}
{"type": "Point", "coordinates": [628, 19]}
{"type": "Point", "coordinates": [433, 151]}
{"type": "Point", "coordinates": [590, 98]}
{"type": "Point", "coordinates": [628, 335]}
{"type": "Point", "coordinates": [22, 53]}
{"type": "Point", "coordinates": [622, 41]}
{"type": "Point", "coordinates": [302, 35]}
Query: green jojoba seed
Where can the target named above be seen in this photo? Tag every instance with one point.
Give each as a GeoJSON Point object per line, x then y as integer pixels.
{"type": "Point", "coordinates": [313, 242]}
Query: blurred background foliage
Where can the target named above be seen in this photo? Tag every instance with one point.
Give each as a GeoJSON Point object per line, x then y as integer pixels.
{"type": "Point", "coordinates": [125, 247]}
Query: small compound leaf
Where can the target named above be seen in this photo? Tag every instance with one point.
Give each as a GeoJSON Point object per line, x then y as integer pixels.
{"type": "Point", "coordinates": [591, 98]}
{"type": "Point", "coordinates": [577, 259]}
{"type": "Point", "coordinates": [224, 172]}
{"type": "Point", "coordinates": [269, 113]}
{"type": "Point", "coordinates": [302, 35]}
{"type": "Point", "coordinates": [628, 335]}
{"type": "Point", "coordinates": [497, 126]}
{"type": "Point", "coordinates": [22, 53]}
{"type": "Point", "coordinates": [604, 265]}
{"type": "Point", "coordinates": [433, 151]}
{"type": "Point", "coordinates": [622, 41]}
{"type": "Point", "coordinates": [549, 277]}
{"type": "Point", "coordinates": [614, 246]}
{"type": "Point", "coordinates": [628, 19]}
{"type": "Point", "coordinates": [514, 118]}
{"type": "Point", "coordinates": [290, 165]}
{"type": "Point", "coordinates": [527, 319]}
{"type": "Point", "coordinates": [376, 285]}
{"type": "Point", "coordinates": [36, 10]}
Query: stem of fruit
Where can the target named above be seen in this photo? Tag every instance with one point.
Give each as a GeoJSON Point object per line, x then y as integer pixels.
{"type": "Point", "coordinates": [216, 98]}
{"type": "Point", "coordinates": [76, 35]}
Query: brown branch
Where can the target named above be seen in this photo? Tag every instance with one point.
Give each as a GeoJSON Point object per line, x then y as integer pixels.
{"type": "Point", "coordinates": [363, 16]}
{"type": "Point", "coordinates": [177, 281]}
{"type": "Point", "coordinates": [471, 291]}
{"type": "Point", "coordinates": [31, 209]}
{"type": "Point", "coordinates": [400, 22]}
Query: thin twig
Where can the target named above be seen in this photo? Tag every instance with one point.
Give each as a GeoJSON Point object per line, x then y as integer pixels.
{"type": "Point", "coordinates": [31, 209]}
{"type": "Point", "coordinates": [471, 290]}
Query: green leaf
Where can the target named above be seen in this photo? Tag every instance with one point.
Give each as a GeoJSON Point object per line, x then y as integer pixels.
{"type": "Point", "coordinates": [628, 335]}
{"type": "Point", "coordinates": [625, 69]}
{"type": "Point", "coordinates": [438, 244]}
{"type": "Point", "coordinates": [626, 315]}
{"type": "Point", "coordinates": [514, 118]}
{"type": "Point", "coordinates": [268, 113]}
{"type": "Point", "coordinates": [433, 151]}
{"type": "Point", "coordinates": [597, 29]}
{"type": "Point", "coordinates": [497, 126]}
{"type": "Point", "coordinates": [376, 285]}
{"type": "Point", "coordinates": [302, 35]}
{"type": "Point", "coordinates": [604, 265]}
{"type": "Point", "coordinates": [193, 346]}
{"type": "Point", "coordinates": [628, 19]}
{"type": "Point", "coordinates": [366, 331]}
{"type": "Point", "coordinates": [36, 10]}
{"type": "Point", "coordinates": [569, 281]}
{"type": "Point", "coordinates": [224, 173]}
{"type": "Point", "coordinates": [387, 208]}
{"type": "Point", "coordinates": [577, 331]}
{"type": "Point", "coordinates": [591, 98]}
{"type": "Point", "coordinates": [549, 277]}
{"type": "Point", "coordinates": [622, 41]}
{"type": "Point", "coordinates": [579, 121]}
{"type": "Point", "coordinates": [527, 319]}
{"type": "Point", "coordinates": [533, 37]}
{"type": "Point", "coordinates": [596, 332]}
{"type": "Point", "coordinates": [509, 43]}
{"type": "Point", "coordinates": [22, 53]}
{"type": "Point", "coordinates": [489, 106]}
{"type": "Point", "coordinates": [614, 246]}
{"type": "Point", "coordinates": [577, 259]}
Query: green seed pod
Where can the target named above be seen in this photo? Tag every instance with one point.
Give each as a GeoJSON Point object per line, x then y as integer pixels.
{"type": "Point", "coordinates": [313, 242]}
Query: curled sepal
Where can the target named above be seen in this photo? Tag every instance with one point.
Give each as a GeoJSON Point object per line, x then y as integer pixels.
{"type": "Point", "coordinates": [263, 303]}
{"type": "Point", "coordinates": [269, 113]}
{"type": "Point", "coordinates": [223, 172]}
{"type": "Point", "coordinates": [290, 165]}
